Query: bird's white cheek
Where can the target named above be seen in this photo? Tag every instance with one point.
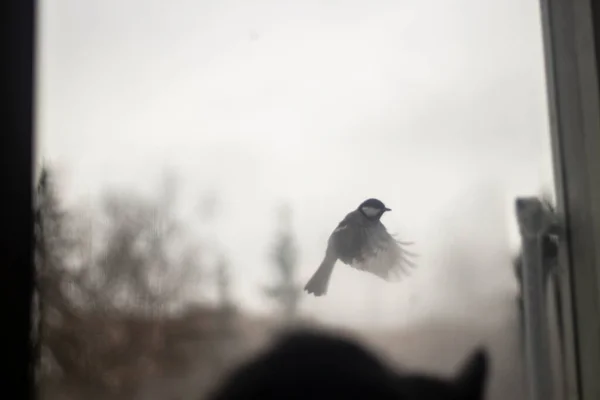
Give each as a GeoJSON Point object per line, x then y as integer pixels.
{"type": "Point", "coordinates": [370, 211]}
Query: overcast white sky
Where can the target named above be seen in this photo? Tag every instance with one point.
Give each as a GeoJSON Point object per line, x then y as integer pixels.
{"type": "Point", "coordinates": [320, 103]}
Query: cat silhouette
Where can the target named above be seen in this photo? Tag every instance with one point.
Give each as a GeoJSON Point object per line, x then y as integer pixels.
{"type": "Point", "coordinates": [316, 365]}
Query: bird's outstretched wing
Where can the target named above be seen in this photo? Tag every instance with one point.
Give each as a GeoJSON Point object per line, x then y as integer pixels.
{"type": "Point", "coordinates": [384, 256]}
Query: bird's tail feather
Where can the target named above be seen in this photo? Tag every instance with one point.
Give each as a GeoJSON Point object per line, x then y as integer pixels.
{"type": "Point", "coordinates": [319, 282]}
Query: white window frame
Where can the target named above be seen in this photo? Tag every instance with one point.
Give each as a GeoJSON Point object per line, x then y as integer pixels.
{"type": "Point", "coordinates": [574, 109]}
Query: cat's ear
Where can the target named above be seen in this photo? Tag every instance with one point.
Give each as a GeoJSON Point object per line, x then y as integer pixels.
{"type": "Point", "coordinates": [472, 376]}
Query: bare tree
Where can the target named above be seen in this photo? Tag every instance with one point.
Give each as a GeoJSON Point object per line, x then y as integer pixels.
{"type": "Point", "coordinates": [102, 349]}
{"type": "Point", "coordinates": [55, 247]}
{"type": "Point", "coordinates": [53, 244]}
{"type": "Point", "coordinates": [224, 283]}
{"type": "Point", "coordinates": [285, 291]}
{"type": "Point", "coordinates": [227, 314]}
{"type": "Point", "coordinates": [146, 263]}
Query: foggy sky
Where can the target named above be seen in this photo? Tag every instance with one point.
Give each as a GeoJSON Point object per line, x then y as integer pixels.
{"type": "Point", "coordinates": [317, 103]}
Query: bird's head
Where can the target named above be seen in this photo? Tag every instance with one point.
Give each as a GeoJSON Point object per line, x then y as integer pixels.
{"type": "Point", "coordinates": [372, 209]}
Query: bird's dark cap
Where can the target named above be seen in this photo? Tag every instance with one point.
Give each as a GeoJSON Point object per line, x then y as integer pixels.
{"type": "Point", "coordinates": [375, 203]}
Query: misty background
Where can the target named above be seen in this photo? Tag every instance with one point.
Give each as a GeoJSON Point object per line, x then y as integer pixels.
{"type": "Point", "coordinates": [437, 108]}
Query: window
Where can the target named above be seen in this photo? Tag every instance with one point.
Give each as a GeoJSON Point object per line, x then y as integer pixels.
{"type": "Point", "coordinates": [201, 154]}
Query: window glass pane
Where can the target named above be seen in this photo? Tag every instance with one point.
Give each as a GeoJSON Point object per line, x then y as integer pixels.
{"type": "Point", "coordinates": [203, 153]}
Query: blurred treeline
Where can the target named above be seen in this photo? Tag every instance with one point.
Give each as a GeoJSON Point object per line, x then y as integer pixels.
{"type": "Point", "coordinates": [122, 310]}
{"type": "Point", "coordinates": [119, 306]}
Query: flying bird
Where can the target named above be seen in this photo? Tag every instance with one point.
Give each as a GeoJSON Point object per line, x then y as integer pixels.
{"type": "Point", "coordinates": [362, 241]}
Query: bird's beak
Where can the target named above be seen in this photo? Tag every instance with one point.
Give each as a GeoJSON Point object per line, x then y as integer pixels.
{"type": "Point", "coordinates": [387, 209]}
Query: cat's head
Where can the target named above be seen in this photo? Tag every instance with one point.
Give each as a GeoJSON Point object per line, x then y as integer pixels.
{"type": "Point", "coordinates": [309, 365]}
